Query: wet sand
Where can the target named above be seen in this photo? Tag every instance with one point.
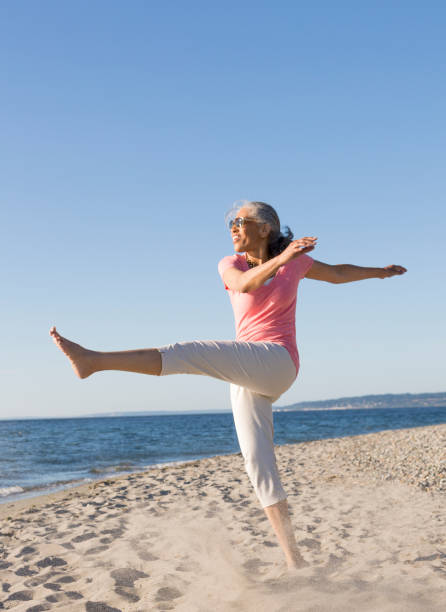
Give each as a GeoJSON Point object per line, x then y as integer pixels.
{"type": "Point", "coordinates": [368, 511]}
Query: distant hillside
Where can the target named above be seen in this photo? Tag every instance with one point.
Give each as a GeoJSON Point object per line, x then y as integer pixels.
{"type": "Point", "coordinates": [388, 400]}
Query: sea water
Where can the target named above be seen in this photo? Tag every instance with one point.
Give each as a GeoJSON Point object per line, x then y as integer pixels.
{"type": "Point", "coordinates": [42, 455]}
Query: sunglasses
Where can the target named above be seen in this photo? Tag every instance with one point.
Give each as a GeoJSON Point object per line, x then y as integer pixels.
{"type": "Point", "coordinates": [240, 221]}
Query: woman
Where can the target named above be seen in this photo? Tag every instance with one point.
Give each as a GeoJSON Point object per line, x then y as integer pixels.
{"type": "Point", "coordinates": [263, 362]}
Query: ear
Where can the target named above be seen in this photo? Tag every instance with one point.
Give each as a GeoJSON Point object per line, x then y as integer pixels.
{"type": "Point", "coordinates": [264, 230]}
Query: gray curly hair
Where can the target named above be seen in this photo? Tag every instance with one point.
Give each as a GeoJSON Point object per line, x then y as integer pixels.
{"type": "Point", "coordinates": [277, 240]}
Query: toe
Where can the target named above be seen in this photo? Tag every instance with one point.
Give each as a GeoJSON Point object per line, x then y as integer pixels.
{"type": "Point", "coordinates": [55, 335]}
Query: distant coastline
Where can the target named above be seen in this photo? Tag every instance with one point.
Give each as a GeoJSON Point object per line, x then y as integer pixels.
{"type": "Point", "coordinates": [387, 400]}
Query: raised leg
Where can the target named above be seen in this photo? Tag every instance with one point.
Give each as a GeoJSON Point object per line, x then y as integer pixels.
{"type": "Point", "coordinates": [86, 362]}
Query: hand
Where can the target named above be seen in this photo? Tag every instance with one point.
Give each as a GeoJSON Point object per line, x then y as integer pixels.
{"type": "Point", "coordinates": [297, 247]}
{"type": "Point", "coordinates": [389, 271]}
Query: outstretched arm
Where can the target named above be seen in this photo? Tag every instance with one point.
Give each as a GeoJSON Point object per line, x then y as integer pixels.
{"type": "Point", "coordinates": [347, 273]}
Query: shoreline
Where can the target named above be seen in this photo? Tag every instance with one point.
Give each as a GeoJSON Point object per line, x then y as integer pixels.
{"type": "Point", "coordinates": [432, 478]}
{"type": "Point", "coordinates": [368, 513]}
{"type": "Point", "coordinates": [46, 491]}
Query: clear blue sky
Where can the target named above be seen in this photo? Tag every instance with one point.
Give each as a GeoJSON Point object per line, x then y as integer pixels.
{"type": "Point", "coordinates": [127, 130]}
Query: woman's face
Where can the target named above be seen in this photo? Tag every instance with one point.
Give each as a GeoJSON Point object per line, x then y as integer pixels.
{"type": "Point", "coordinates": [251, 235]}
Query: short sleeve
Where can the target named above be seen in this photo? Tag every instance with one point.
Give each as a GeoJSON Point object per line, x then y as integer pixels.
{"type": "Point", "coordinates": [230, 261]}
{"type": "Point", "coordinates": [304, 263]}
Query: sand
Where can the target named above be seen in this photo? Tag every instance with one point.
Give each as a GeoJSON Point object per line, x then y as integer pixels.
{"type": "Point", "coordinates": [368, 511]}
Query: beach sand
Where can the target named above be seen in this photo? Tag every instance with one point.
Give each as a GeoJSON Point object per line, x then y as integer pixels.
{"type": "Point", "coordinates": [368, 511]}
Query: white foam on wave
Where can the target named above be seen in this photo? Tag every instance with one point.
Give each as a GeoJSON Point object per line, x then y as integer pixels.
{"type": "Point", "coordinates": [169, 464]}
{"type": "Point", "coordinates": [5, 491]}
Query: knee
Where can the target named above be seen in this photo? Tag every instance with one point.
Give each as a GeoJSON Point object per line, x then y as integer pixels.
{"type": "Point", "coordinates": [259, 465]}
{"type": "Point", "coordinates": [258, 447]}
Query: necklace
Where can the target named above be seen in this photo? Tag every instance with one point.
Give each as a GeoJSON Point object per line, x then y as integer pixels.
{"type": "Point", "coordinates": [250, 263]}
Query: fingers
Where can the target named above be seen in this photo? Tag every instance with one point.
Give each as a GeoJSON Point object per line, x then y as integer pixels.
{"type": "Point", "coordinates": [307, 241]}
{"type": "Point", "coordinates": [396, 269]}
{"type": "Point", "coordinates": [393, 270]}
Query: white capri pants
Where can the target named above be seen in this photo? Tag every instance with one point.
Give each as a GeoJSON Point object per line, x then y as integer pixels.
{"type": "Point", "coordinates": [259, 372]}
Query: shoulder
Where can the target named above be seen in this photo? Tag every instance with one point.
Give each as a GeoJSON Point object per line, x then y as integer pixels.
{"type": "Point", "coordinates": [230, 261]}
{"type": "Point", "coordinates": [301, 264]}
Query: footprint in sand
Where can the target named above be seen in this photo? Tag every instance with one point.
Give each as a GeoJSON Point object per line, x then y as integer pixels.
{"type": "Point", "coordinates": [167, 594]}
{"type": "Point", "coordinates": [125, 582]}
{"type": "Point", "coordinates": [59, 597]}
{"type": "Point", "coordinates": [52, 586]}
{"type": "Point", "coordinates": [21, 596]}
{"type": "Point", "coordinates": [117, 532]}
{"type": "Point", "coordinates": [99, 606]}
{"type": "Point", "coordinates": [127, 576]}
{"type": "Point", "coordinates": [310, 543]}
{"type": "Point", "coordinates": [96, 550]}
{"type": "Point", "coordinates": [84, 537]}
{"type": "Point", "coordinates": [74, 595]}
{"type": "Point", "coordinates": [25, 571]}
{"type": "Point", "coordinates": [51, 562]}
{"type": "Point", "coordinates": [27, 550]}
{"type": "Point", "coordinates": [38, 580]}
{"type": "Point", "coordinates": [4, 565]}
{"type": "Point", "coordinates": [39, 608]}
{"type": "Point", "coordinates": [66, 579]}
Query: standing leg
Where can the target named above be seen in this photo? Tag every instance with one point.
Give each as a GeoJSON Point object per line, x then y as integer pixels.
{"type": "Point", "coordinates": [86, 362]}
{"type": "Point", "coordinates": [279, 518]}
{"type": "Point", "coordinates": [254, 424]}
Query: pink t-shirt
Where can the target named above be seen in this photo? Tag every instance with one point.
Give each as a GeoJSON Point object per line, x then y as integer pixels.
{"type": "Point", "coordinates": [268, 313]}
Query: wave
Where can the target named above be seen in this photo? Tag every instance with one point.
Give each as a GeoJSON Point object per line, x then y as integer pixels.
{"type": "Point", "coordinates": [5, 491]}
{"type": "Point", "coordinates": [15, 492]}
{"type": "Point", "coordinates": [109, 469]}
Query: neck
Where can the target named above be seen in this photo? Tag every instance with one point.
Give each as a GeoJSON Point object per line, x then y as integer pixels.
{"type": "Point", "coordinates": [258, 256]}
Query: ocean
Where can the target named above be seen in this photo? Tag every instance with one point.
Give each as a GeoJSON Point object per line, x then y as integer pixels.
{"type": "Point", "coordinates": [38, 456]}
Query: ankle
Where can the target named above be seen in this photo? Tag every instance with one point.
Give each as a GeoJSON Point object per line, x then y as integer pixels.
{"type": "Point", "coordinates": [96, 361]}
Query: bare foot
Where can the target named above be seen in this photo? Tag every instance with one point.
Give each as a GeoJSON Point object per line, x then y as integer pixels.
{"type": "Point", "coordinates": [298, 565]}
{"type": "Point", "coordinates": [81, 359]}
